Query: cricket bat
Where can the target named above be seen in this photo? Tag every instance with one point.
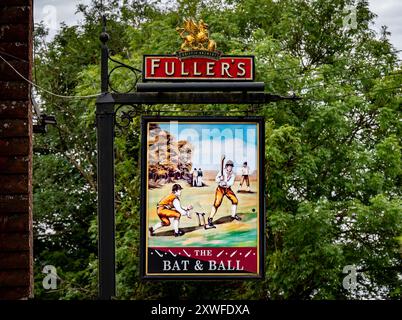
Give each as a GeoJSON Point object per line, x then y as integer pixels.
{"type": "Point", "coordinates": [222, 162]}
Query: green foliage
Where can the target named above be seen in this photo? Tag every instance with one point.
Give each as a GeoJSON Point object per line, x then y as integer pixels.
{"type": "Point", "coordinates": [333, 159]}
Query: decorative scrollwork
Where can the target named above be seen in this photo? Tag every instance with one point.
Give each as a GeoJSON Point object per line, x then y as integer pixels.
{"type": "Point", "coordinates": [132, 80]}
{"type": "Point", "coordinates": [124, 116]}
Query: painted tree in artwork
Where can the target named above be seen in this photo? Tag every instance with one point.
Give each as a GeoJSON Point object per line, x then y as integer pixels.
{"type": "Point", "coordinates": [169, 159]}
{"type": "Point", "coordinates": [333, 159]}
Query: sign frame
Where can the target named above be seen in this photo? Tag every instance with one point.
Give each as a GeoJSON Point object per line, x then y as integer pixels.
{"type": "Point", "coordinates": [184, 79]}
{"type": "Point", "coordinates": [261, 240]}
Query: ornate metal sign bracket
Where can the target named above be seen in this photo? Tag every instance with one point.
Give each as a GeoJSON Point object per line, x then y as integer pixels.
{"type": "Point", "coordinates": [116, 110]}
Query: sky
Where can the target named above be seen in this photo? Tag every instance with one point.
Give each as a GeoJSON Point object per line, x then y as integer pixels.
{"type": "Point", "coordinates": [53, 12]}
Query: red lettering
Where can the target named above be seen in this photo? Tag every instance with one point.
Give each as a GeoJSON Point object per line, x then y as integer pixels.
{"type": "Point", "coordinates": [199, 68]}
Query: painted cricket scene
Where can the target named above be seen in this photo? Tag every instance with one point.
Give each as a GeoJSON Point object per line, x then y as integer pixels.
{"type": "Point", "coordinates": [202, 198]}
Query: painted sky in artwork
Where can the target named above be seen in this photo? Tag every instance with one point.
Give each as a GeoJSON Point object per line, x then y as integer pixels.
{"type": "Point", "coordinates": [238, 142]}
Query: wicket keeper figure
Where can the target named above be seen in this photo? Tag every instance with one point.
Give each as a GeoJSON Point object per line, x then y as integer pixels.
{"type": "Point", "coordinates": [169, 211]}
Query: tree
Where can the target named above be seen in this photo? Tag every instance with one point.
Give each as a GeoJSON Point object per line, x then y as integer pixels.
{"type": "Point", "coordinates": [334, 167]}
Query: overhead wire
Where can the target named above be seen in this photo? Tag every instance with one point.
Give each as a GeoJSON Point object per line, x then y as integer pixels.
{"type": "Point", "coordinates": [45, 90]}
{"type": "Point", "coordinates": [339, 80]}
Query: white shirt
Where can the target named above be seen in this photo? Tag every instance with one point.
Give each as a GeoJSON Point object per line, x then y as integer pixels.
{"type": "Point", "coordinates": [228, 181]}
{"type": "Point", "coordinates": [177, 206]}
{"type": "Point", "coordinates": [245, 171]}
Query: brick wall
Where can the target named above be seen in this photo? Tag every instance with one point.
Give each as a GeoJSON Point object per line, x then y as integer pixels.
{"type": "Point", "coordinates": [15, 151]}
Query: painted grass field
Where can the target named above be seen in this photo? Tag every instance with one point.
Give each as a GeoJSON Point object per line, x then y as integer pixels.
{"type": "Point", "coordinates": [227, 233]}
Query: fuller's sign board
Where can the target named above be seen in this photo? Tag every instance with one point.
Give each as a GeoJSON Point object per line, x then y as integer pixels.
{"type": "Point", "coordinates": [198, 66]}
{"type": "Point", "coordinates": [197, 60]}
{"type": "Point", "coordinates": [202, 210]}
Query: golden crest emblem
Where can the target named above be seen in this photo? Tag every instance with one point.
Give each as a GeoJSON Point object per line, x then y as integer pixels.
{"type": "Point", "coordinates": [195, 36]}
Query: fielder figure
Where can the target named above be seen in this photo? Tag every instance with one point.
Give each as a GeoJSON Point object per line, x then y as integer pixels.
{"type": "Point", "coordinates": [245, 172]}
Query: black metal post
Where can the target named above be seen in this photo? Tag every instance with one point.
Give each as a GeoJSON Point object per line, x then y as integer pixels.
{"type": "Point", "coordinates": [105, 180]}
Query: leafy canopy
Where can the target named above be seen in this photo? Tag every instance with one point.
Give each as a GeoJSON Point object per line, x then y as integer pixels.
{"type": "Point", "coordinates": [333, 159]}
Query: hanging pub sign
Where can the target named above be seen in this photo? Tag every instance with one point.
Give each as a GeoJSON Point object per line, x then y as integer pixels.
{"type": "Point", "coordinates": [202, 197]}
{"type": "Point", "coordinates": [197, 60]}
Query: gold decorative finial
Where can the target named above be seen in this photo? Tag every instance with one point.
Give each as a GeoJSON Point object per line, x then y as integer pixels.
{"type": "Point", "coordinates": [195, 36]}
